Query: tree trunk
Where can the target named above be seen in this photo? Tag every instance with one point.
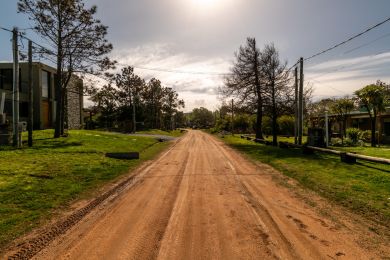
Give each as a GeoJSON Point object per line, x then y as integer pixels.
{"type": "Point", "coordinates": [259, 119]}
{"type": "Point", "coordinates": [274, 117]}
{"type": "Point", "coordinates": [58, 94]}
{"type": "Point", "coordinates": [58, 91]}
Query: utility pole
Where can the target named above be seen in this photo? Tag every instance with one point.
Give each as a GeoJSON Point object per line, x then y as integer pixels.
{"type": "Point", "coordinates": [300, 115]}
{"type": "Point", "coordinates": [30, 96]}
{"type": "Point", "coordinates": [326, 128]}
{"type": "Point", "coordinates": [134, 121]}
{"type": "Point", "coordinates": [15, 93]}
{"type": "Point", "coordinates": [296, 122]}
{"type": "Point", "coordinates": [232, 116]}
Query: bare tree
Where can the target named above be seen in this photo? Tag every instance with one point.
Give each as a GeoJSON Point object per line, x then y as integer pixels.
{"type": "Point", "coordinates": [245, 82]}
{"type": "Point", "coordinates": [76, 37]}
{"type": "Point", "coordinates": [278, 95]}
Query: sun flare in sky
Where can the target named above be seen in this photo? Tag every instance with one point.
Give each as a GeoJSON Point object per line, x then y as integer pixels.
{"type": "Point", "coordinates": [205, 3]}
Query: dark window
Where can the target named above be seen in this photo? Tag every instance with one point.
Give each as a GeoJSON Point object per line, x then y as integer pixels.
{"type": "Point", "coordinates": [8, 107]}
{"type": "Point", "coordinates": [387, 128]}
{"type": "Point", "coordinates": [45, 84]}
{"type": "Point", "coordinates": [6, 79]}
{"type": "Point", "coordinates": [23, 109]}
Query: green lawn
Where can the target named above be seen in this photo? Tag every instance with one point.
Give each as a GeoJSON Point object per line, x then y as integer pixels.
{"type": "Point", "coordinates": [174, 133]}
{"type": "Point", "coordinates": [36, 182]}
{"type": "Point", "coordinates": [362, 187]}
{"type": "Point", "coordinates": [383, 151]}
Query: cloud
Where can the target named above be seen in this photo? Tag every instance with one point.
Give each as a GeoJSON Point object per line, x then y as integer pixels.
{"type": "Point", "coordinates": [193, 77]}
{"type": "Point", "coordinates": [342, 77]}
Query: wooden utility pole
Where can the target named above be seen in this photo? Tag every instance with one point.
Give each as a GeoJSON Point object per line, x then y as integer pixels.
{"type": "Point", "coordinates": [232, 116]}
{"type": "Point", "coordinates": [134, 121]}
{"type": "Point", "coordinates": [300, 115]}
{"type": "Point", "coordinates": [15, 93]}
{"type": "Point", "coordinates": [296, 105]}
{"type": "Point", "coordinates": [30, 96]}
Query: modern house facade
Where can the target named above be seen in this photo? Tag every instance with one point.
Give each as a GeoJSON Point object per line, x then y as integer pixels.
{"type": "Point", "coordinates": [44, 102]}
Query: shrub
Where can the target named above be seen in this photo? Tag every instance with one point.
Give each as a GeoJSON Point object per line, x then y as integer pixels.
{"type": "Point", "coordinates": [353, 134]}
{"type": "Point", "coordinates": [286, 125]}
{"type": "Point", "coordinates": [365, 136]}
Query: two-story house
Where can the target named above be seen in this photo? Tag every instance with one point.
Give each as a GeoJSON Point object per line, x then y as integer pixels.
{"type": "Point", "coordinates": [44, 107]}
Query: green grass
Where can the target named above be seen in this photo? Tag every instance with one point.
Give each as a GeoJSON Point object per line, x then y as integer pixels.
{"type": "Point", "coordinates": [383, 151]}
{"type": "Point", "coordinates": [35, 183]}
{"type": "Point", "coordinates": [362, 187]}
{"type": "Point", "coordinates": [174, 133]}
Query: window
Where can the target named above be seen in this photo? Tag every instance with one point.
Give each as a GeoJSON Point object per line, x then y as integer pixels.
{"type": "Point", "coordinates": [386, 126]}
{"type": "Point", "coordinates": [45, 84]}
{"type": "Point", "coordinates": [23, 109]}
{"type": "Point", "coordinates": [6, 79]}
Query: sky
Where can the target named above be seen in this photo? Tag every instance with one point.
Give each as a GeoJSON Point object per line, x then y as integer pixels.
{"type": "Point", "coordinates": [198, 38]}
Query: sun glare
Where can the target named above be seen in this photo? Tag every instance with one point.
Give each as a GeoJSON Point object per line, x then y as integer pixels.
{"type": "Point", "coordinates": [204, 3]}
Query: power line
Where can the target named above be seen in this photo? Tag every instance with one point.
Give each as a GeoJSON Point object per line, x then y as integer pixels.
{"type": "Point", "coordinates": [349, 65]}
{"type": "Point", "coordinates": [178, 71]}
{"type": "Point", "coordinates": [5, 29]}
{"type": "Point", "coordinates": [353, 49]}
{"type": "Point", "coordinates": [348, 40]}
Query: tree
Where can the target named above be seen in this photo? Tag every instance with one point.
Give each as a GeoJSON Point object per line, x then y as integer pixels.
{"type": "Point", "coordinates": [128, 84]}
{"type": "Point", "coordinates": [171, 104]}
{"type": "Point", "coordinates": [286, 125]}
{"type": "Point", "coordinates": [342, 108]}
{"type": "Point", "coordinates": [278, 95]}
{"type": "Point", "coordinates": [180, 119]}
{"type": "Point", "coordinates": [152, 95]}
{"type": "Point", "coordinates": [202, 118]}
{"type": "Point", "coordinates": [245, 81]}
{"type": "Point", "coordinates": [317, 110]}
{"type": "Point", "coordinates": [373, 98]}
{"type": "Point", "coordinates": [106, 103]}
{"type": "Point", "coordinates": [78, 40]}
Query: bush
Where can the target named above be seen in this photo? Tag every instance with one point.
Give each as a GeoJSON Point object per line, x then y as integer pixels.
{"type": "Point", "coordinates": [353, 135]}
{"type": "Point", "coordinates": [365, 136]}
{"type": "Point", "coordinates": [286, 125]}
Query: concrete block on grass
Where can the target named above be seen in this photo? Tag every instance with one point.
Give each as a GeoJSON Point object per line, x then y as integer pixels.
{"type": "Point", "coordinates": [124, 156]}
{"type": "Point", "coordinates": [347, 158]}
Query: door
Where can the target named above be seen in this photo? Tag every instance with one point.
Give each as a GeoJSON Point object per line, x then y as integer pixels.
{"type": "Point", "coordinates": [46, 114]}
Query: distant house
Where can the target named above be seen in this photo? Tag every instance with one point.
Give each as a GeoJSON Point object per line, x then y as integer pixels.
{"type": "Point", "coordinates": [44, 107]}
{"type": "Point", "coordinates": [361, 120]}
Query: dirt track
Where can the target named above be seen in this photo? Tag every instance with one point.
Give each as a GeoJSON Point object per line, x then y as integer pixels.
{"type": "Point", "coordinates": [202, 200]}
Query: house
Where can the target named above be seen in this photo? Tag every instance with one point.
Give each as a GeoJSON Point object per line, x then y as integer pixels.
{"type": "Point", "coordinates": [44, 107]}
{"type": "Point", "coordinates": [360, 119]}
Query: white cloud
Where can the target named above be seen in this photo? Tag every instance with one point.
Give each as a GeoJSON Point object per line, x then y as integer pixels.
{"type": "Point", "coordinates": [191, 86]}
{"type": "Point", "coordinates": [342, 77]}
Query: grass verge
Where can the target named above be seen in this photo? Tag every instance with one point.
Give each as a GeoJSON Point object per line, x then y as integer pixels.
{"type": "Point", "coordinates": [173, 133]}
{"type": "Point", "coordinates": [363, 188]}
{"type": "Point", "coordinates": [37, 182]}
{"type": "Point", "coordinates": [383, 151]}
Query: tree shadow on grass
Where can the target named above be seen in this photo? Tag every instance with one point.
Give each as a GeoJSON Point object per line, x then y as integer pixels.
{"type": "Point", "coordinates": [372, 166]}
{"type": "Point", "coordinates": [56, 144]}
{"type": "Point", "coordinates": [273, 153]}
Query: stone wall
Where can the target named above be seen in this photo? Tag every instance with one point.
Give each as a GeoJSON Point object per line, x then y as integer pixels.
{"type": "Point", "coordinates": [75, 103]}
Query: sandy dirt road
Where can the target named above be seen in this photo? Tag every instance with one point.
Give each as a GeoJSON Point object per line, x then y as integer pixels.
{"type": "Point", "coordinates": [202, 200]}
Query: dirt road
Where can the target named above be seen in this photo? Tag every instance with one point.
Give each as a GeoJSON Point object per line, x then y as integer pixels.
{"type": "Point", "coordinates": [202, 200]}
